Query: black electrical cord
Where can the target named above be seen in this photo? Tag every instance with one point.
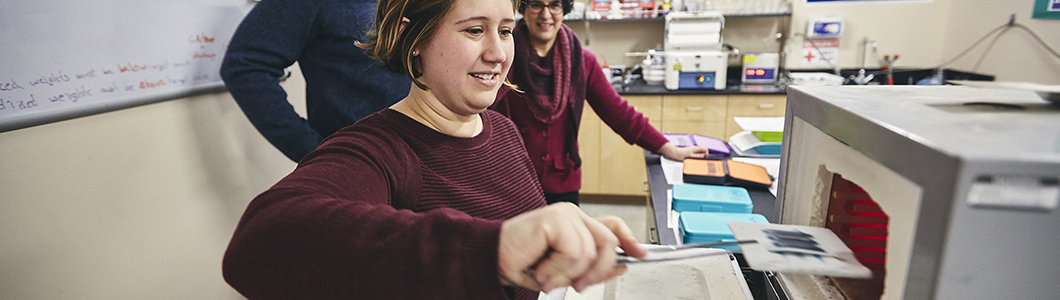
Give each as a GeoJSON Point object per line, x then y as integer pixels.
{"type": "Point", "coordinates": [1039, 39]}
{"type": "Point", "coordinates": [1000, 30]}
{"type": "Point", "coordinates": [955, 58]}
{"type": "Point", "coordinates": [988, 47]}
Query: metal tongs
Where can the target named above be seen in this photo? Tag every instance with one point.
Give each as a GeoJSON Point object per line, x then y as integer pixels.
{"type": "Point", "coordinates": [675, 252]}
{"type": "Point", "coordinates": [663, 253]}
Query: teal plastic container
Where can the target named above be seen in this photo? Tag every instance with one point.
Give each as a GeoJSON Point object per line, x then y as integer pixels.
{"type": "Point", "coordinates": [711, 198]}
{"type": "Point", "coordinates": [703, 227]}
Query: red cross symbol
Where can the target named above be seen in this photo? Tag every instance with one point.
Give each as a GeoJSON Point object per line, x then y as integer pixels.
{"type": "Point", "coordinates": [809, 56]}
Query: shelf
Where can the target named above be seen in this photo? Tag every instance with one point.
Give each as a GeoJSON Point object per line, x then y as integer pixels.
{"type": "Point", "coordinates": [727, 16]}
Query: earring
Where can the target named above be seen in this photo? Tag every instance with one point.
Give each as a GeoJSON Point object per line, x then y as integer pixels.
{"type": "Point", "coordinates": [415, 52]}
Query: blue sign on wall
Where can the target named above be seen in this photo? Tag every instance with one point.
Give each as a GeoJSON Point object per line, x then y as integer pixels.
{"type": "Point", "coordinates": [1046, 9]}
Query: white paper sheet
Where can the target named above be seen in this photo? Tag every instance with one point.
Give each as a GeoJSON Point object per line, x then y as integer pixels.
{"type": "Point", "coordinates": [674, 215]}
{"type": "Point", "coordinates": [671, 222]}
{"type": "Point", "coordinates": [673, 170]}
{"type": "Point", "coordinates": [760, 124]}
{"type": "Point", "coordinates": [841, 263]}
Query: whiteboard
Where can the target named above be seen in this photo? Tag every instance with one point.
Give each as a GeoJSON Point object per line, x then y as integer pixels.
{"type": "Point", "coordinates": [62, 59]}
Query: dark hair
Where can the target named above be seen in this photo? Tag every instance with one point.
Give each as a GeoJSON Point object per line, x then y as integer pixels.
{"type": "Point", "coordinates": [567, 6]}
{"type": "Point", "coordinates": [391, 46]}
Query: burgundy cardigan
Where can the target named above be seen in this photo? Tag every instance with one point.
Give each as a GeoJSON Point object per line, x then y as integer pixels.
{"type": "Point", "coordinates": [557, 168]}
{"type": "Point", "coordinates": [387, 209]}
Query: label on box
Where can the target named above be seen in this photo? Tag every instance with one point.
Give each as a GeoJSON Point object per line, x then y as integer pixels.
{"type": "Point", "coordinates": [1018, 192]}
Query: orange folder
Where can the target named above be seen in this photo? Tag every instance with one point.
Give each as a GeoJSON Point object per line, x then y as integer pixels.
{"type": "Point", "coordinates": [748, 175]}
{"type": "Point", "coordinates": [725, 172]}
{"type": "Point", "coordinates": [706, 171]}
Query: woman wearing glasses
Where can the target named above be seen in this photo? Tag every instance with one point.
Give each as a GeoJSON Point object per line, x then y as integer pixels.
{"type": "Point", "coordinates": [557, 77]}
{"type": "Point", "coordinates": [432, 198]}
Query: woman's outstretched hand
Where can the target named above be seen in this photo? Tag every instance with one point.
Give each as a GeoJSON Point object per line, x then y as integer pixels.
{"type": "Point", "coordinates": [674, 152]}
{"type": "Point", "coordinates": [559, 245]}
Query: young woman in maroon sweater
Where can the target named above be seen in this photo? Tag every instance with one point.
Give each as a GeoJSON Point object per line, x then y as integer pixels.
{"type": "Point", "coordinates": [433, 198]}
{"type": "Point", "coordinates": [558, 78]}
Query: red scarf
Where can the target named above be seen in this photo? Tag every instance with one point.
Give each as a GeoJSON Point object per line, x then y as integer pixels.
{"type": "Point", "coordinates": [567, 74]}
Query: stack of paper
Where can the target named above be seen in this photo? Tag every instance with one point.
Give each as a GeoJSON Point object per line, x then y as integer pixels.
{"type": "Point", "coordinates": [766, 129]}
{"type": "Point", "coordinates": [746, 144]}
{"type": "Point", "coordinates": [761, 137]}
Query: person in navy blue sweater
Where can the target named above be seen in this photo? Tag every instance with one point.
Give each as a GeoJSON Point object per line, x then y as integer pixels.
{"type": "Point", "coordinates": [343, 85]}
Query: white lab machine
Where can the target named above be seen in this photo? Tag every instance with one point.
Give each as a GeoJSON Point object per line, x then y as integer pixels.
{"type": "Point", "coordinates": [696, 70]}
{"type": "Point", "coordinates": [945, 192]}
{"type": "Point", "coordinates": [694, 59]}
{"type": "Point", "coordinates": [760, 68]}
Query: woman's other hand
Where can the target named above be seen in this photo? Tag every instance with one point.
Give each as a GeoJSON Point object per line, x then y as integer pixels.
{"type": "Point", "coordinates": [560, 245]}
{"type": "Point", "coordinates": [674, 152]}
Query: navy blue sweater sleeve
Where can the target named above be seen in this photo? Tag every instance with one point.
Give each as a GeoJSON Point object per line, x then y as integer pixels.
{"type": "Point", "coordinates": [271, 38]}
{"type": "Point", "coordinates": [343, 84]}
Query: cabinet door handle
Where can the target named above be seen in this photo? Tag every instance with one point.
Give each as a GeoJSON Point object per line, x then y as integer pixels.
{"type": "Point", "coordinates": [766, 105]}
{"type": "Point", "coordinates": [694, 108]}
{"type": "Point", "coordinates": [644, 186]}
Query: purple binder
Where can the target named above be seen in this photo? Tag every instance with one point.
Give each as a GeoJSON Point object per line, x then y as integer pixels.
{"type": "Point", "coordinates": [684, 139]}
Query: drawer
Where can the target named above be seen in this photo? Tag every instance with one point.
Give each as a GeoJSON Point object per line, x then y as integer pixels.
{"type": "Point", "coordinates": [757, 105]}
{"type": "Point", "coordinates": [715, 129]}
{"type": "Point", "coordinates": [694, 108]}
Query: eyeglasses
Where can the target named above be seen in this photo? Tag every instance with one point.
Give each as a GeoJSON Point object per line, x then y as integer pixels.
{"type": "Point", "coordinates": [536, 7]}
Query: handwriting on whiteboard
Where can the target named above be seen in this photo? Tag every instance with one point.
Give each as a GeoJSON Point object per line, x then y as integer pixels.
{"type": "Point", "coordinates": [57, 87]}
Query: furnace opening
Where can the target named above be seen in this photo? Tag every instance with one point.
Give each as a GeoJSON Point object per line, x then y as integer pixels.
{"type": "Point", "coordinates": [862, 225]}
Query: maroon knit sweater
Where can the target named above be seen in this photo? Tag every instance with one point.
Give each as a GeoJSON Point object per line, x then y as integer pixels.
{"type": "Point", "coordinates": [387, 209]}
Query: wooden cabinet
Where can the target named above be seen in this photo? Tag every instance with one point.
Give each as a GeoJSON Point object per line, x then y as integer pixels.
{"type": "Point", "coordinates": [622, 170]}
{"type": "Point", "coordinates": [589, 150]}
{"type": "Point", "coordinates": [610, 166]}
{"type": "Point", "coordinates": [703, 115]}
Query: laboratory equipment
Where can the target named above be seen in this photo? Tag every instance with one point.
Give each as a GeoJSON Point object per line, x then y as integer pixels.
{"type": "Point", "coordinates": [945, 192]}
{"type": "Point", "coordinates": [760, 68]}
{"type": "Point", "coordinates": [694, 59]}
